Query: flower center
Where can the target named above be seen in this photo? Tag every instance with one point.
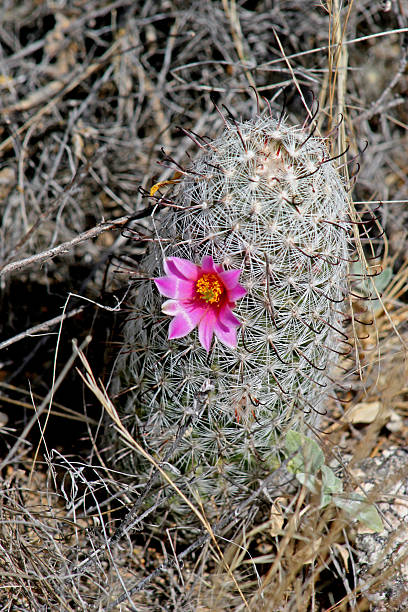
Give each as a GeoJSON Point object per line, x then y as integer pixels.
{"type": "Point", "coordinates": [209, 288]}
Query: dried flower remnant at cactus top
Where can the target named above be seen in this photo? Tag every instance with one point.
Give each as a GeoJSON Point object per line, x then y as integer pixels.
{"type": "Point", "coordinates": [202, 296]}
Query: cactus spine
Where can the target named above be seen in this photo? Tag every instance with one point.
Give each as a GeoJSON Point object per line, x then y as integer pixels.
{"type": "Point", "coordinates": [263, 198]}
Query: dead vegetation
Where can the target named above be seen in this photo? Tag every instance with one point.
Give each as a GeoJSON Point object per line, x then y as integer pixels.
{"type": "Point", "coordinates": [90, 92]}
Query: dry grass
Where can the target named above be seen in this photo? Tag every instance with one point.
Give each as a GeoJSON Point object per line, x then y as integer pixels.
{"type": "Point", "coordinates": [90, 91]}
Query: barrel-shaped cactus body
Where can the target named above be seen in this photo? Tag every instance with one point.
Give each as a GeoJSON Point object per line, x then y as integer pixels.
{"type": "Point", "coordinates": [266, 200]}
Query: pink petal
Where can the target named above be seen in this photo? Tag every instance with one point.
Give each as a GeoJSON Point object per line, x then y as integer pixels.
{"type": "Point", "coordinates": [229, 338]}
{"type": "Point", "coordinates": [183, 323]}
{"type": "Point", "coordinates": [182, 268]}
{"type": "Point", "coordinates": [230, 278]}
{"type": "Point", "coordinates": [208, 265]}
{"type": "Point", "coordinates": [175, 307]}
{"type": "Point", "coordinates": [175, 288]}
{"type": "Point", "coordinates": [201, 308]}
{"type": "Point", "coordinates": [221, 325]}
{"type": "Point", "coordinates": [206, 329]}
{"type": "Point", "coordinates": [172, 307]}
{"type": "Point", "coordinates": [227, 317]}
{"type": "Point", "coordinates": [236, 293]}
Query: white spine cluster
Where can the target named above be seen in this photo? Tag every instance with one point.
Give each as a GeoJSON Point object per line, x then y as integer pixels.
{"type": "Point", "coordinates": [266, 199]}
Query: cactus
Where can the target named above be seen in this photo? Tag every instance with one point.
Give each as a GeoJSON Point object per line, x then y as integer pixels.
{"type": "Point", "coordinates": [264, 200]}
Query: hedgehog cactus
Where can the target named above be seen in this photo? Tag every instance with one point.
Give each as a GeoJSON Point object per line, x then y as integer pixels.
{"type": "Point", "coordinates": [251, 255]}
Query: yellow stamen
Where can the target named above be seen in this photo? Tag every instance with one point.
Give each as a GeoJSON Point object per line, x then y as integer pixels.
{"type": "Point", "coordinates": [209, 288]}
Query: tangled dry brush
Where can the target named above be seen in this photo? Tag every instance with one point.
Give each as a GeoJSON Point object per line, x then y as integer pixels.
{"type": "Point", "coordinates": [90, 92]}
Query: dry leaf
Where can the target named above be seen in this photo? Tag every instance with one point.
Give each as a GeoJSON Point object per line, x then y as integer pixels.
{"type": "Point", "coordinates": [365, 412]}
{"type": "Point", "coordinates": [276, 519]}
{"type": "Point", "coordinates": [7, 180]}
{"type": "Point", "coordinates": [344, 553]}
{"type": "Point", "coordinates": [157, 186]}
{"type": "Point", "coordinates": [314, 547]}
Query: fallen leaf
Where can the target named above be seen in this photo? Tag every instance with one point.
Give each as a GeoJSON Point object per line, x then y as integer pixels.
{"type": "Point", "coordinates": [157, 186]}
{"type": "Point", "coordinates": [344, 553]}
{"type": "Point", "coordinates": [365, 412]}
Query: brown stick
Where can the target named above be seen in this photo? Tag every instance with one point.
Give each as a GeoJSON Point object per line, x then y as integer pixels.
{"type": "Point", "coordinates": [41, 327]}
{"type": "Point", "coordinates": [65, 247]}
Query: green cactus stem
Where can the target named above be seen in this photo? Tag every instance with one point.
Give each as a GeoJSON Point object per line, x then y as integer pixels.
{"type": "Point", "coordinates": [263, 198]}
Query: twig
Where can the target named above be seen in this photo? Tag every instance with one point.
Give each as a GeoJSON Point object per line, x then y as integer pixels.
{"type": "Point", "coordinates": [131, 519]}
{"type": "Point", "coordinates": [327, 47]}
{"type": "Point", "coordinates": [295, 80]}
{"type": "Point", "coordinates": [199, 405]}
{"type": "Point", "coordinates": [43, 405]}
{"type": "Point", "coordinates": [232, 516]}
{"type": "Point", "coordinates": [41, 327]}
{"type": "Point", "coordinates": [72, 82]}
{"type": "Point", "coordinates": [75, 182]}
{"type": "Point", "coordinates": [375, 106]}
{"type": "Point", "coordinates": [65, 247]}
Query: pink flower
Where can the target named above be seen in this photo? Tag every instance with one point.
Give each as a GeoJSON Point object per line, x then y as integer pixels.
{"type": "Point", "coordinates": [202, 296]}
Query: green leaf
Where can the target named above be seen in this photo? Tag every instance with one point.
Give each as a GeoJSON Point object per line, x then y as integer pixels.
{"type": "Point", "coordinates": [330, 484]}
{"type": "Point", "coordinates": [357, 507]}
{"type": "Point", "coordinates": [382, 280]}
{"type": "Point", "coordinates": [325, 499]}
{"type": "Point", "coordinates": [308, 480]}
{"type": "Point", "coordinates": [305, 454]}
